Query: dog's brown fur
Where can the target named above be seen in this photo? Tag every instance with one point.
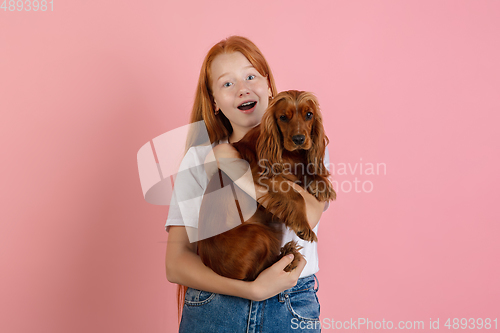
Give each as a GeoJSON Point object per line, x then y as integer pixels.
{"type": "Point", "coordinates": [289, 138]}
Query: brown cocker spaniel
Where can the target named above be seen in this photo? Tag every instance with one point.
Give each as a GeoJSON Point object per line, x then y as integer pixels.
{"type": "Point", "coordinates": [287, 146]}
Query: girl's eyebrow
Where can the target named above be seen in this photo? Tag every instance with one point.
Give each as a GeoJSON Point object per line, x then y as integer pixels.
{"type": "Point", "coordinates": [249, 66]}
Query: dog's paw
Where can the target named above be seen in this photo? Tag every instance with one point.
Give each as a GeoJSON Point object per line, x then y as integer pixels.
{"type": "Point", "coordinates": [327, 195]}
{"type": "Point", "coordinates": [291, 266]}
{"type": "Point", "coordinates": [312, 187]}
{"type": "Point", "coordinates": [321, 188]}
{"type": "Point", "coordinates": [298, 223]}
{"type": "Point", "coordinates": [307, 234]}
{"type": "Point", "coordinates": [291, 247]}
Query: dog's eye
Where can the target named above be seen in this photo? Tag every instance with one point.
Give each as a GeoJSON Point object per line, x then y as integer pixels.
{"type": "Point", "coordinates": [283, 117]}
{"type": "Point", "coordinates": [309, 115]}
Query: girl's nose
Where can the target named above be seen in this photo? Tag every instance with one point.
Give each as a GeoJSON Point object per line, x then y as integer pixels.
{"type": "Point", "coordinates": [242, 88]}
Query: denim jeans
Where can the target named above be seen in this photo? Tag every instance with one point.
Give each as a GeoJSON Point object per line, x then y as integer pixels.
{"type": "Point", "coordinates": [294, 310]}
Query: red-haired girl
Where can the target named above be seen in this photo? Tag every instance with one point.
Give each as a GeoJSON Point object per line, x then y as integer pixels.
{"type": "Point", "coordinates": [234, 89]}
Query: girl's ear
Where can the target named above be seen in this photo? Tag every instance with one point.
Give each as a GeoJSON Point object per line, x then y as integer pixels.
{"type": "Point", "coordinates": [216, 109]}
{"type": "Point", "coordinates": [269, 92]}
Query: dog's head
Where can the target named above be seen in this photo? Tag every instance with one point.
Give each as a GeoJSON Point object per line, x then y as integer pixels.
{"type": "Point", "coordinates": [292, 122]}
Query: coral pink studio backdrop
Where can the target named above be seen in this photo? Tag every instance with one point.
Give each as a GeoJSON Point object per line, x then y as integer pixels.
{"type": "Point", "coordinates": [409, 85]}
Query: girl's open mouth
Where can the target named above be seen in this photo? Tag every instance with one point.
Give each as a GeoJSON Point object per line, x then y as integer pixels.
{"type": "Point", "coordinates": [247, 106]}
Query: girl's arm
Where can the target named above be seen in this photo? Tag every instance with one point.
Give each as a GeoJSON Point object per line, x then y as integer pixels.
{"type": "Point", "coordinates": [184, 266]}
{"type": "Point", "coordinates": [229, 161]}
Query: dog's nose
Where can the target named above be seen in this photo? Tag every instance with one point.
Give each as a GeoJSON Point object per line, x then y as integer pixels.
{"type": "Point", "coordinates": [298, 139]}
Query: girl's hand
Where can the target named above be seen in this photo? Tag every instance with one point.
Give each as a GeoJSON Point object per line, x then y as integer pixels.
{"type": "Point", "coordinates": [225, 157]}
{"type": "Point", "coordinates": [274, 280]}
{"type": "Point", "coordinates": [228, 160]}
{"type": "Point", "coordinates": [226, 150]}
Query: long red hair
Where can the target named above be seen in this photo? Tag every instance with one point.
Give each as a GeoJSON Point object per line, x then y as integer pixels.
{"type": "Point", "coordinates": [218, 126]}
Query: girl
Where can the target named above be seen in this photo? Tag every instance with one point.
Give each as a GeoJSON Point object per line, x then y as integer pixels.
{"type": "Point", "coordinates": [234, 89]}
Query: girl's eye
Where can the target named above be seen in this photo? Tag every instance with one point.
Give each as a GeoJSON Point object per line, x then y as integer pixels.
{"type": "Point", "coordinates": [227, 84]}
{"type": "Point", "coordinates": [251, 77]}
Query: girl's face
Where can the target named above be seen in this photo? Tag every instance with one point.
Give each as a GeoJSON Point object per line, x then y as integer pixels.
{"type": "Point", "coordinates": [239, 91]}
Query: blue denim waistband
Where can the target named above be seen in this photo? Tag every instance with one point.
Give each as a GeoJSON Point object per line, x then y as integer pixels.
{"type": "Point", "coordinates": [305, 283]}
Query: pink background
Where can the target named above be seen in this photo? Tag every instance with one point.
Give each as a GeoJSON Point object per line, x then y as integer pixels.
{"type": "Point", "coordinates": [412, 84]}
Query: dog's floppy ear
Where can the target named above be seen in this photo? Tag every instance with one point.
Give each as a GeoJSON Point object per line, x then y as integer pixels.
{"type": "Point", "coordinates": [269, 145]}
{"type": "Point", "coordinates": [319, 140]}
